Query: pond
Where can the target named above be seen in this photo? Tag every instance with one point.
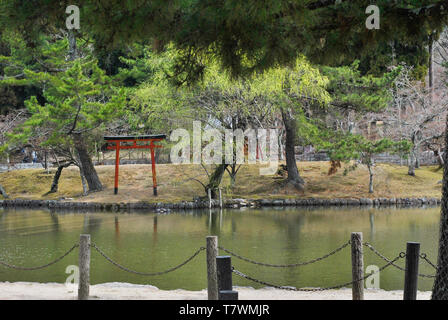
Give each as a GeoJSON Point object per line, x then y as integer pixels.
{"type": "Point", "coordinates": [150, 242]}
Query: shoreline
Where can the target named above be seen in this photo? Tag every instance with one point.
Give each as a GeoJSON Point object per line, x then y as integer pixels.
{"type": "Point", "coordinates": [229, 203]}
{"type": "Point", "coordinates": [128, 291]}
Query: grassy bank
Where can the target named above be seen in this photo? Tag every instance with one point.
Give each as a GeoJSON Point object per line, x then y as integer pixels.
{"type": "Point", "coordinates": [176, 183]}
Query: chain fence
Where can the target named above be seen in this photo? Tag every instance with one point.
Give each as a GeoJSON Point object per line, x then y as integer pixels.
{"type": "Point", "coordinates": [423, 256]}
{"type": "Point", "coordinates": [43, 266]}
{"type": "Point", "coordinates": [11, 266]}
{"type": "Point", "coordinates": [299, 264]}
{"type": "Point", "coordinates": [389, 262]}
{"type": "Point", "coordinates": [143, 273]}
{"type": "Point", "coordinates": [239, 273]}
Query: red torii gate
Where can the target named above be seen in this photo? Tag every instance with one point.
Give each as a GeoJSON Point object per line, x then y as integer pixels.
{"type": "Point", "coordinates": [134, 139]}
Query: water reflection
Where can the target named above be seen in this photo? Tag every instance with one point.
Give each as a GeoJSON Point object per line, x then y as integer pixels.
{"type": "Point", "coordinates": [214, 222]}
{"type": "Point", "coordinates": [92, 223]}
{"type": "Point", "coordinates": [372, 226]}
{"type": "Point", "coordinates": [154, 231]}
{"type": "Point", "coordinates": [117, 227]}
{"type": "Point", "coordinates": [55, 219]}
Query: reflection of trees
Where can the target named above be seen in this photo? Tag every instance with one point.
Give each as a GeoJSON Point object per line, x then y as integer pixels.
{"type": "Point", "coordinates": [3, 214]}
{"type": "Point", "coordinates": [55, 219]}
{"type": "Point", "coordinates": [289, 221]}
{"type": "Point", "coordinates": [372, 225]}
{"type": "Point", "coordinates": [233, 225]}
{"type": "Point", "coordinates": [213, 223]}
{"type": "Point", "coordinates": [154, 231]}
{"type": "Point", "coordinates": [117, 227]}
{"type": "Point", "coordinates": [91, 223]}
{"type": "Point", "coordinates": [292, 224]}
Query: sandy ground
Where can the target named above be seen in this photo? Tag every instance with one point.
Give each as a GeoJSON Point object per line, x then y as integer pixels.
{"type": "Point", "coordinates": [127, 291]}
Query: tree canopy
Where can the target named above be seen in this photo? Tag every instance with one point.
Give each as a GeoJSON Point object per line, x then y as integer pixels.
{"type": "Point", "coordinates": [243, 36]}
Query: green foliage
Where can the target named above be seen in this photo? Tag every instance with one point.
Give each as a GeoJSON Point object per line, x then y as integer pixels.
{"type": "Point", "coordinates": [350, 89]}
{"type": "Point", "coordinates": [48, 57]}
{"type": "Point", "coordinates": [218, 94]}
{"type": "Point", "coordinates": [301, 81]}
{"type": "Point", "coordinates": [395, 53]}
{"type": "Point", "coordinates": [243, 36]}
{"type": "Point", "coordinates": [79, 100]}
{"type": "Point", "coordinates": [157, 105]}
{"type": "Point", "coordinates": [154, 102]}
{"type": "Point", "coordinates": [347, 146]}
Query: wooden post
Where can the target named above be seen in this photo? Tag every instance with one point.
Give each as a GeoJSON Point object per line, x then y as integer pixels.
{"type": "Point", "coordinates": [209, 191]}
{"type": "Point", "coordinates": [224, 273]}
{"type": "Point", "coordinates": [84, 267]}
{"type": "Point", "coordinates": [220, 198]}
{"type": "Point", "coordinates": [357, 266]}
{"type": "Point", "coordinates": [411, 273]}
{"type": "Point", "coordinates": [212, 279]}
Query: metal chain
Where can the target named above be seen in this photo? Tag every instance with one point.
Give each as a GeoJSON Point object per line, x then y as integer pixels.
{"type": "Point", "coordinates": [368, 245]}
{"type": "Point", "coordinates": [287, 265]}
{"type": "Point", "coordinates": [40, 267]}
{"type": "Point", "coordinates": [423, 256]}
{"type": "Point", "coordinates": [239, 273]}
{"type": "Point", "coordinates": [142, 273]}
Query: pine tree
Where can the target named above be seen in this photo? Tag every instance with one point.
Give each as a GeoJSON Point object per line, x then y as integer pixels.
{"type": "Point", "coordinates": [243, 36]}
{"type": "Point", "coordinates": [78, 101]}
{"type": "Point", "coordinates": [346, 147]}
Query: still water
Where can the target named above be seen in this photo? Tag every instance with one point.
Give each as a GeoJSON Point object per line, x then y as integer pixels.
{"type": "Point", "coordinates": [151, 243]}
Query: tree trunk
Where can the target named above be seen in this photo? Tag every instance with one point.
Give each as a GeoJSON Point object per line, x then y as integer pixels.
{"type": "Point", "coordinates": [86, 165]}
{"type": "Point", "coordinates": [439, 157]}
{"type": "Point", "coordinates": [3, 192]}
{"type": "Point", "coordinates": [57, 175]}
{"type": "Point", "coordinates": [281, 147]}
{"type": "Point", "coordinates": [85, 191]}
{"type": "Point", "coordinates": [232, 173]}
{"type": "Point", "coordinates": [72, 48]}
{"type": "Point", "coordinates": [46, 161]}
{"type": "Point", "coordinates": [215, 180]}
{"type": "Point", "coordinates": [370, 179]}
{"type": "Point", "coordinates": [411, 167]}
{"type": "Point", "coordinates": [291, 134]}
{"type": "Point", "coordinates": [431, 68]}
{"type": "Point", "coordinates": [440, 287]}
{"type": "Point", "coordinates": [232, 181]}
{"type": "Point", "coordinates": [417, 158]}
